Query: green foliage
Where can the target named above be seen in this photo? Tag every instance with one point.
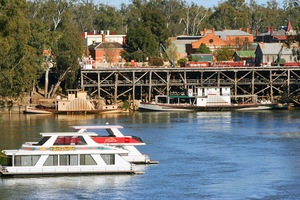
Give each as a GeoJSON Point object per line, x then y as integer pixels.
{"type": "Point", "coordinates": [141, 44]}
{"type": "Point", "coordinates": [203, 49]}
{"type": "Point", "coordinates": [182, 60]}
{"type": "Point", "coordinates": [17, 58]}
{"type": "Point", "coordinates": [156, 61]}
{"type": "Point", "coordinates": [230, 14]}
{"type": "Point", "coordinates": [224, 54]}
{"type": "Point", "coordinates": [3, 158]}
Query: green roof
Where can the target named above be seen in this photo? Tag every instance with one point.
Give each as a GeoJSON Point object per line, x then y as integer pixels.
{"type": "Point", "coordinates": [247, 54]}
{"type": "Point", "coordinates": [182, 96]}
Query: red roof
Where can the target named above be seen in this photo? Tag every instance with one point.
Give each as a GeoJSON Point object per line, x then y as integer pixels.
{"type": "Point", "coordinates": [289, 26]}
{"type": "Point", "coordinates": [281, 37]}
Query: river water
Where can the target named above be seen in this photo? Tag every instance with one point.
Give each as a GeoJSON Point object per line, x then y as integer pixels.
{"type": "Point", "coordinates": [202, 155]}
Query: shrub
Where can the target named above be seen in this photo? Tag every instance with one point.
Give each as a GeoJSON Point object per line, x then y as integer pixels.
{"type": "Point", "coordinates": [156, 61]}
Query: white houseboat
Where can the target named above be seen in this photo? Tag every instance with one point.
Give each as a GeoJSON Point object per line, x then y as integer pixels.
{"type": "Point", "coordinates": [67, 153]}
{"type": "Point", "coordinates": [113, 137]}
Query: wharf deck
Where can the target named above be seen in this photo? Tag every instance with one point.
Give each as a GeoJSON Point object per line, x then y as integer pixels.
{"type": "Point", "coordinates": [145, 83]}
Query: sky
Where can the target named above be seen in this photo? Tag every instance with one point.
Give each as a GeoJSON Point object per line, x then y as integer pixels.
{"type": "Point", "coordinates": [205, 3]}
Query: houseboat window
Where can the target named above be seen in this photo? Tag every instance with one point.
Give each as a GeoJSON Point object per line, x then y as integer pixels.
{"type": "Point", "coordinates": [69, 140]}
{"type": "Point", "coordinates": [68, 160]}
{"type": "Point", "coordinates": [109, 159]}
{"type": "Point", "coordinates": [43, 141]}
{"type": "Point", "coordinates": [26, 160]}
{"type": "Point", "coordinates": [52, 160]}
{"type": "Point", "coordinates": [86, 159]}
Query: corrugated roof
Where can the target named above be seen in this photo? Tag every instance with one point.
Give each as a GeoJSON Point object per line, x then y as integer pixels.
{"type": "Point", "coordinates": [270, 48]}
{"type": "Point", "coordinates": [223, 34]}
{"type": "Point", "coordinates": [103, 45]}
{"type": "Point", "coordinates": [232, 33]}
{"type": "Point", "coordinates": [274, 48]}
{"type": "Point", "coordinates": [181, 48]}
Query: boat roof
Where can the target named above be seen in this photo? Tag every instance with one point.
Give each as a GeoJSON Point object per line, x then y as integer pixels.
{"type": "Point", "coordinates": [69, 134]}
{"type": "Point", "coordinates": [97, 127]}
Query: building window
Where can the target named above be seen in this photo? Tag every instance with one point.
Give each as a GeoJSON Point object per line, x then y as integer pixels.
{"type": "Point", "coordinates": [86, 159]}
{"type": "Point", "coordinates": [211, 41]}
{"type": "Point", "coordinates": [109, 159]}
{"type": "Point", "coordinates": [26, 160]}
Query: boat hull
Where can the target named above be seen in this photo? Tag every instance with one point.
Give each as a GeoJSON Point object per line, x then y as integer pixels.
{"type": "Point", "coordinates": [144, 106]}
{"type": "Point", "coordinates": [31, 110]}
{"type": "Point", "coordinates": [70, 171]}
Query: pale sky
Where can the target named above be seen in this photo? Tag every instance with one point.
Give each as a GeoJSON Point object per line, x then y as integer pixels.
{"type": "Point", "coordinates": [205, 3]}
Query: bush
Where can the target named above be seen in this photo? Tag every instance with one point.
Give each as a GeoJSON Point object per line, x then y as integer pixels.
{"type": "Point", "coordinates": [156, 61]}
{"type": "Point", "coordinates": [182, 60]}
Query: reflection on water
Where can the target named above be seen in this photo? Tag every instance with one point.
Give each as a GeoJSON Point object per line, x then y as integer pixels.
{"type": "Point", "coordinates": [202, 155]}
{"type": "Point", "coordinates": [284, 134]}
{"type": "Point", "coordinates": [62, 187]}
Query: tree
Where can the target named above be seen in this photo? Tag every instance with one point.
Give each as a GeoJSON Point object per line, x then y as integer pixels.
{"type": "Point", "coordinates": [70, 48]}
{"type": "Point", "coordinates": [156, 61]}
{"type": "Point", "coordinates": [155, 21]}
{"type": "Point", "coordinates": [141, 44]}
{"type": "Point", "coordinates": [110, 52]}
{"type": "Point", "coordinates": [17, 58]}
{"type": "Point", "coordinates": [193, 19]}
{"type": "Point", "coordinates": [108, 18]}
{"type": "Point", "coordinates": [203, 49]}
{"type": "Point", "coordinates": [224, 54]}
{"type": "Point", "coordinates": [85, 16]}
{"type": "Point", "coordinates": [230, 14]}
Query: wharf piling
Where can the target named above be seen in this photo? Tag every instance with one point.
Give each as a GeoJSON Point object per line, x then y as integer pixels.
{"type": "Point", "coordinates": [144, 83]}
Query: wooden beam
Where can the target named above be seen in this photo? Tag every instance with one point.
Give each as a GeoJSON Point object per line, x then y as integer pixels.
{"type": "Point", "coordinates": [133, 90]}
{"type": "Point", "coordinates": [168, 83]}
{"type": "Point", "coordinates": [271, 85]}
{"type": "Point", "coordinates": [161, 77]}
{"type": "Point", "coordinates": [150, 85]}
{"type": "Point", "coordinates": [116, 87]}
{"type": "Point", "coordinates": [99, 93]}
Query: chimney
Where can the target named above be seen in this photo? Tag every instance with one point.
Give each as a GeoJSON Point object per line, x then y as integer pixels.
{"type": "Point", "coordinates": [103, 37]}
{"type": "Point", "coordinates": [271, 33]}
{"type": "Point", "coordinates": [124, 40]}
{"type": "Point", "coordinates": [269, 29]}
{"type": "Point", "coordinates": [240, 29]}
{"type": "Point", "coordinates": [247, 30]}
{"type": "Point", "coordinates": [107, 32]}
{"type": "Point", "coordinates": [85, 34]}
{"type": "Point", "coordinates": [102, 32]}
{"type": "Point", "coordinates": [94, 32]}
{"type": "Point", "coordinates": [204, 33]}
{"type": "Point", "coordinates": [213, 31]}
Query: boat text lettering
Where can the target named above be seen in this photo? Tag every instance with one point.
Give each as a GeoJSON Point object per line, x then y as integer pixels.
{"type": "Point", "coordinates": [62, 148]}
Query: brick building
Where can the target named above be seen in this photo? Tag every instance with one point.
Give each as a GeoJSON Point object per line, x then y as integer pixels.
{"type": "Point", "coordinates": [217, 39]}
{"type": "Point", "coordinates": [105, 47]}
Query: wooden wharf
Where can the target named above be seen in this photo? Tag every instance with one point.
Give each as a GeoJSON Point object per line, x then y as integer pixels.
{"type": "Point", "coordinates": [144, 83]}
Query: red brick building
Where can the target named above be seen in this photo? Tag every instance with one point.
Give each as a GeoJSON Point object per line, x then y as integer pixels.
{"type": "Point", "coordinates": [217, 39]}
{"type": "Point", "coordinates": [106, 52]}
